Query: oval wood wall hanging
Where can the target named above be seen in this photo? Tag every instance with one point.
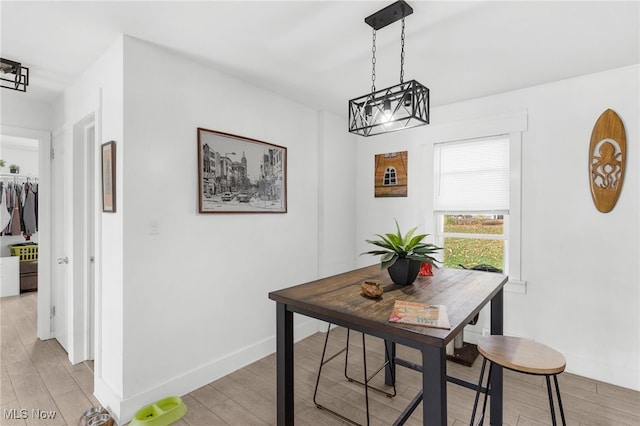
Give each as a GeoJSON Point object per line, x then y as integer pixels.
{"type": "Point", "coordinates": [607, 155]}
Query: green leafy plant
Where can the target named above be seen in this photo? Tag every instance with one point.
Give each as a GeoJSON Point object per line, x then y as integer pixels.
{"type": "Point", "coordinates": [2, 163]}
{"type": "Point", "coordinates": [410, 246]}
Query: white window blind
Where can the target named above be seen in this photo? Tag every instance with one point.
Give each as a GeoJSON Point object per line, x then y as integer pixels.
{"type": "Point", "coordinates": [472, 176]}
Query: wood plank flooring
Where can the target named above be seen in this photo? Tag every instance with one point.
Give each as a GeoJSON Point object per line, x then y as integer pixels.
{"type": "Point", "coordinates": [36, 375]}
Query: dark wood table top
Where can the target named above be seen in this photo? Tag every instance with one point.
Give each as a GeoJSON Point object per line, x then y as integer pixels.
{"type": "Point", "coordinates": [338, 299]}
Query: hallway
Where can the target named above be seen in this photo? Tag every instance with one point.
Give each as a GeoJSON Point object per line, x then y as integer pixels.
{"type": "Point", "coordinates": [36, 375]}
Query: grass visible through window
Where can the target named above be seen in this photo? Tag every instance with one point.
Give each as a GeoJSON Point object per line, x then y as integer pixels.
{"type": "Point", "coordinates": [473, 252]}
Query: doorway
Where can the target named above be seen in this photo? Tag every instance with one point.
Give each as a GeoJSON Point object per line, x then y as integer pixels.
{"type": "Point", "coordinates": [73, 243]}
{"type": "Point", "coordinates": [83, 238]}
{"type": "Point", "coordinates": [66, 242]}
{"type": "Point", "coordinates": [44, 224]}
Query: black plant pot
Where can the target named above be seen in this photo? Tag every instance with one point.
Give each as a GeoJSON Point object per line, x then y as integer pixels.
{"type": "Point", "coordinates": [404, 271]}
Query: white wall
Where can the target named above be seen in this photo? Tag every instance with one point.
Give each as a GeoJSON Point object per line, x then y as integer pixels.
{"type": "Point", "coordinates": [25, 156]}
{"type": "Point", "coordinates": [181, 308]}
{"type": "Point", "coordinates": [98, 91]}
{"type": "Point", "coordinates": [337, 196]}
{"type": "Point", "coordinates": [19, 110]}
{"type": "Point", "coordinates": [581, 266]}
{"type": "Point", "coordinates": [195, 295]}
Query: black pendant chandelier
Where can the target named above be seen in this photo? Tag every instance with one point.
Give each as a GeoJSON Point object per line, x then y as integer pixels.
{"type": "Point", "coordinates": [13, 75]}
{"type": "Point", "coordinates": [397, 107]}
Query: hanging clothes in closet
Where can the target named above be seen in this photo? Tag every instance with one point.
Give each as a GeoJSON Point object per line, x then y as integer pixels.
{"type": "Point", "coordinates": [18, 208]}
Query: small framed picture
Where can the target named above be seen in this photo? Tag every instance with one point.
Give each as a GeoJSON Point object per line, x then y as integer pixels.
{"type": "Point", "coordinates": [390, 174]}
{"type": "Point", "coordinates": [109, 177]}
{"type": "Point", "coordinates": [240, 175]}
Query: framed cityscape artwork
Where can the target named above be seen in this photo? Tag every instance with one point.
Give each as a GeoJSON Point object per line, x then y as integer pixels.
{"type": "Point", "coordinates": [237, 174]}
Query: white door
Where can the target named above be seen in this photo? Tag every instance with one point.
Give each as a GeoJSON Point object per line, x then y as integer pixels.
{"type": "Point", "coordinates": [60, 240]}
{"type": "Point", "coordinates": [90, 132]}
{"type": "Point", "coordinates": [83, 240]}
{"type": "Point", "coordinates": [73, 214]}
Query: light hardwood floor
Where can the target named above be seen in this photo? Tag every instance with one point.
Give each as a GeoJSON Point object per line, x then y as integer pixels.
{"type": "Point", "coordinates": [36, 375]}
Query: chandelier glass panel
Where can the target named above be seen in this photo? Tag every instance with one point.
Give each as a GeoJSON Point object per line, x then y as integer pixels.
{"type": "Point", "coordinates": [398, 107]}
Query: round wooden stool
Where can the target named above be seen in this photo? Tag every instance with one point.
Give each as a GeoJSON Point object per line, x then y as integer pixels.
{"type": "Point", "coordinates": [524, 356]}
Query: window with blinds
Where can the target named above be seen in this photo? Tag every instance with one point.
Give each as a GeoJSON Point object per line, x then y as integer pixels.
{"type": "Point", "coordinates": [472, 176]}
{"type": "Point", "coordinates": [471, 202]}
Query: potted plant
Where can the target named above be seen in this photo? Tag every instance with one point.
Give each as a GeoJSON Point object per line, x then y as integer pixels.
{"type": "Point", "coordinates": [14, 169]}
{"type": "Point", "coordinates": [2, 163]}
{"type": "Point", "coordinates": [402, 255]}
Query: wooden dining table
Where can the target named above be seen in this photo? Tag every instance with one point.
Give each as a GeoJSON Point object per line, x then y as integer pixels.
{"type": "Point", "coordinates": [338, 300]}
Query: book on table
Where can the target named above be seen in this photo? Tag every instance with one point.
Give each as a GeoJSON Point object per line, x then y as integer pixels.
{"type": "Point", "coordinates": [424, 314]}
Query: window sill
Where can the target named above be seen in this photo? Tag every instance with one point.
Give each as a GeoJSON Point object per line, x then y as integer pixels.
{"type": "Point", "coordinates": [515, 286]}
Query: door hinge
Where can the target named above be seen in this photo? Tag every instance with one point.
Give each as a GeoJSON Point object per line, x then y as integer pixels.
{"type": "Point", "coordinates": [52, 154]}
{"type": "Point", "coordinates": [53, 311]}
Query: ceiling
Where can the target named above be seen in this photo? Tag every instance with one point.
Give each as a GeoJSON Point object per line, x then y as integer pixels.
{"type": "Point", "coordinates": [319, 52]}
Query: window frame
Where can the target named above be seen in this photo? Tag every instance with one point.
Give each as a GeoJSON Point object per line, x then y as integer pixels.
{"type": "Point", "coordinates": [440, 214]}
{"type": "Point", "coordinates": [513, 125]}
{"type": "Point", "coordinates": [390, 176]}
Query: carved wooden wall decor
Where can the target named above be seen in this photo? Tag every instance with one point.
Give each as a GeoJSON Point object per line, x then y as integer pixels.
{"type": "Point", "coordinates": [607, 155]}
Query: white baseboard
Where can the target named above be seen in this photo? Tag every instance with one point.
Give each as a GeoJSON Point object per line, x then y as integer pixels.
{"type": "Point", "coordinates": [124, 409]}
{"type": "Point", "coordinates": [107, 397]}
{"type": "Point", "coordinates": [618, 375]}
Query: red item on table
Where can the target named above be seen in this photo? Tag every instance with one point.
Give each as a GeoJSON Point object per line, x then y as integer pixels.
{"type": "Point", "coordinates": [425, 270]}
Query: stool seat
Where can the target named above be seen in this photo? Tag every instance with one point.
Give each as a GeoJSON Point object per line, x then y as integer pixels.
{"type": "Point", "coordinates": [521, 355]}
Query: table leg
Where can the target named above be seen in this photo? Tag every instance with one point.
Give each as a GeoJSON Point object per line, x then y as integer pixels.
{"type": "Point", "coordinates": [390, 367]}
{"type": "Point", "coordinates": [284, 365]}
{"type": "Point", "coordinates": [434, 385]}
{"type": "Point", "coordinates": [497, 318]}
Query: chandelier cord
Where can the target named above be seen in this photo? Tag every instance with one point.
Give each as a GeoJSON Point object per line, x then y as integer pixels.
{"type": "Point", "coordinates": [373, 63]}
{"type": "Point", "coordinates": [402, 54]}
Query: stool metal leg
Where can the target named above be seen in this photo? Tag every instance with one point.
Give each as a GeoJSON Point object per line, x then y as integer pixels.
{"type": "Point", "coordinates": [553, 411]}
{"type": "Point", "coordinates": [475, 403]}
{"type": "Point", "coordinates": [322, 363]}
{"type": "Point", "coordinates": [365, 382]}
{"type": "Point", "coordinates": [555, 379]}
{"type": "Point", "coordinates": [553, 414]}
{"type": "Point", "coordinates": [486, 393]}
{"type": "Point", "coordinates": [367, 379]}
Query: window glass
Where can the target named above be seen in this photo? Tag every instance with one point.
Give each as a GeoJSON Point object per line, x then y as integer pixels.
{"type": "Point", "coordinates": [474, 224]}
{"type": "Point", "coordinates": [390, 177]}
{"type": "Point", "coordinates": [471, 189]}
{"type": "Point", "coordinates": [468, 251]}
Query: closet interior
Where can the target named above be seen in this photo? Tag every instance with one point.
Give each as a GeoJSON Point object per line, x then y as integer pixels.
{"type": "Point", "coordinates": [18, 216]}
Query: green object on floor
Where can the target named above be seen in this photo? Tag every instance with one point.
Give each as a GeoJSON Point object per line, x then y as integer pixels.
{"type": "Point", "coordinates": [160, 413]}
